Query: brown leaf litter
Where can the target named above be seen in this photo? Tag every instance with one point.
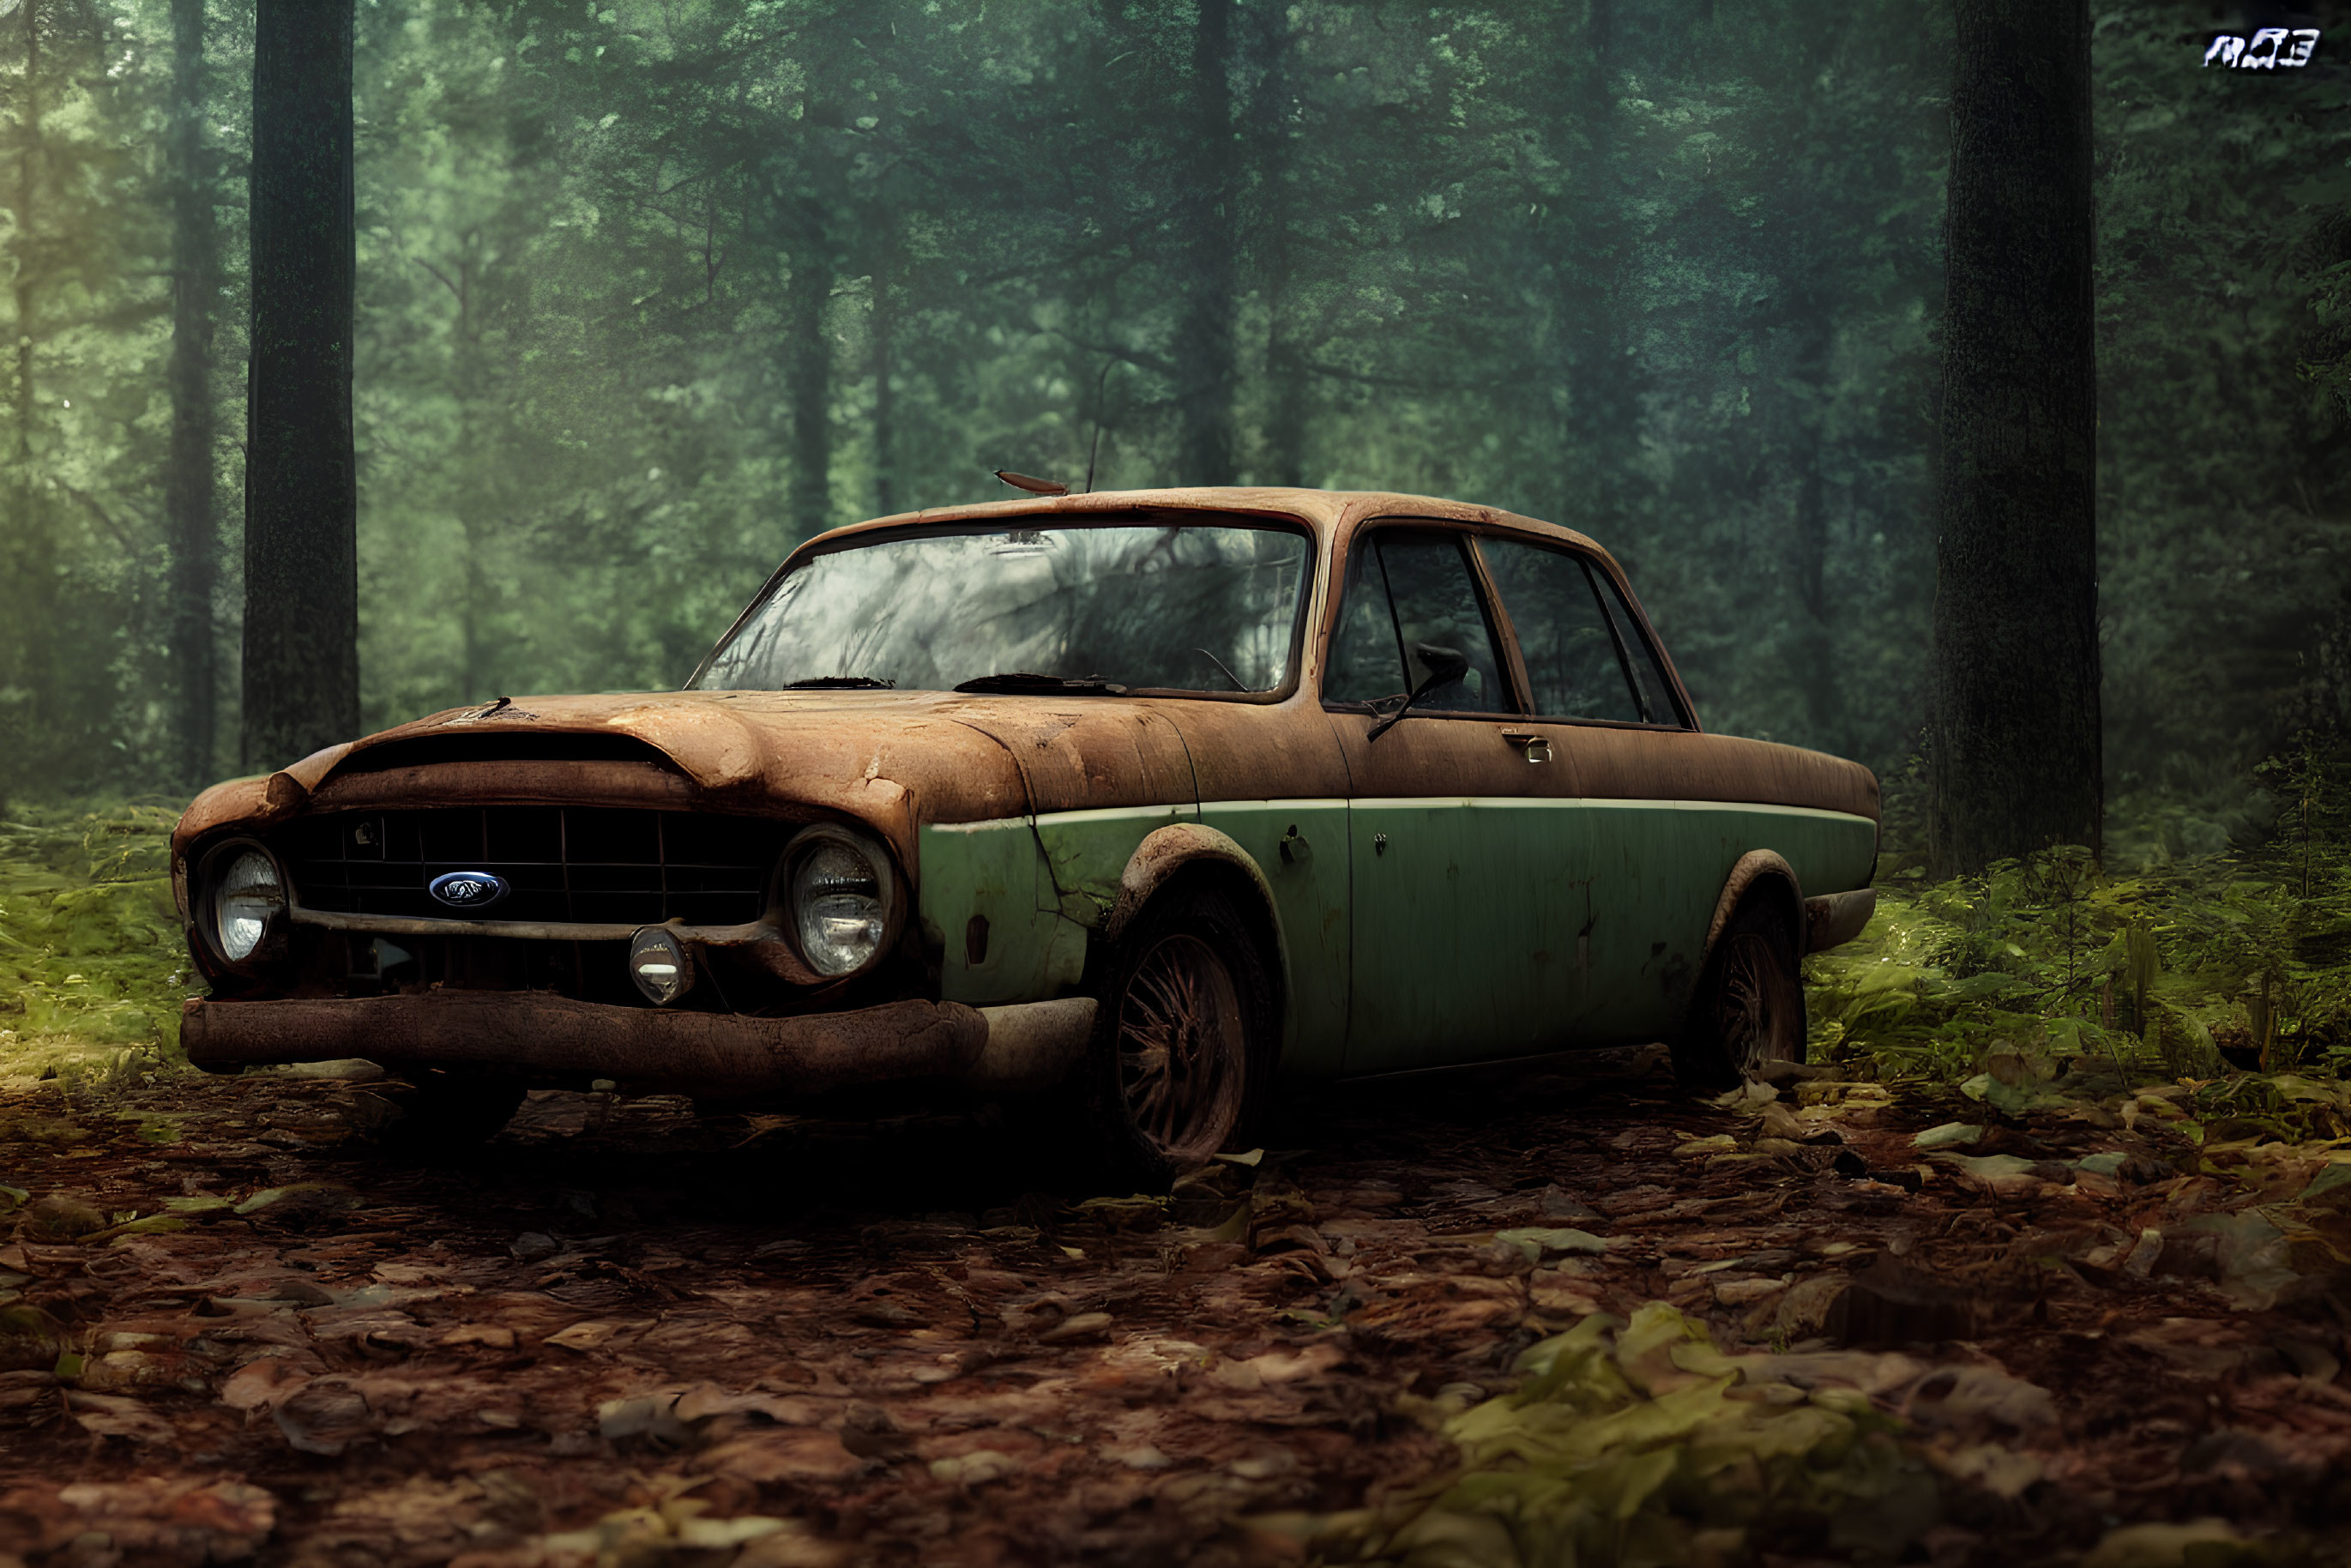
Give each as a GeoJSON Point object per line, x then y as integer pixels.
{"type": "Point", "coordinates": [1495, 1320]}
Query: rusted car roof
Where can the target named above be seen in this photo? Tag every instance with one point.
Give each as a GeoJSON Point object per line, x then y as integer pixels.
{"type": "Point", "coordinates": [1327, 511]}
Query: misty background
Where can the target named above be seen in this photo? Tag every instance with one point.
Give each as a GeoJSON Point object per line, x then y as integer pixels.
{"type": "Point", "coordinates": [650, 290]}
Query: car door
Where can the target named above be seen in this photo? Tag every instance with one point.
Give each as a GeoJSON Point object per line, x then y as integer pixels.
{"type": "Point", "coordinates": [1643, 867]}
{"type": "Point", "coordinates": [1464, 922]}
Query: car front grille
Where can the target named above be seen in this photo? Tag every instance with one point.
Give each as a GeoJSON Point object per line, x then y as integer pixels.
{"type": "Point", "coordinates": [567, 864]}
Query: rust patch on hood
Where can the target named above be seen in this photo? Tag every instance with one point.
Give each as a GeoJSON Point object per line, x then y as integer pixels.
{"type": "Point", "coordinates": [888, 760]}
{"type": "Point", "coordinates": [1091, 752]}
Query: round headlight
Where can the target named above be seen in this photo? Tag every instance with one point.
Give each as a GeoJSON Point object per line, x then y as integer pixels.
{"type": "Point", "coordinates": [247, 895]}
{"type": "Point", "coordinates": [840, 903]}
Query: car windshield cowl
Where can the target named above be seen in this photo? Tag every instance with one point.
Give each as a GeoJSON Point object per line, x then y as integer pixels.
{"type": "Point", "coordinates": [1165, 603]}
{"type": "Point", "coordinates": [1015, 681]}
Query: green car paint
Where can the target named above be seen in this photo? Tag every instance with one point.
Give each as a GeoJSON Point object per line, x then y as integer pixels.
{"type": "Point", "coordinates": [1086, 852]}
{"type": "Point", "coordinates": [1488, 927]}
{"type": "Point", "coordinates": [1414, 932]}
{"type": "Point", "coordinates": [1301, 847]}
{"type": "Point", "coordinates": [1658, 868]}
{"type": "Point", "coordinates": [989, 907]}
{"type": "Point", "coordinates": [1465, 913]}
{"type": "Point", "coordinates": [1041, 885]}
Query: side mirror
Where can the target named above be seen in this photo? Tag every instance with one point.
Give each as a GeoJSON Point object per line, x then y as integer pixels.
{"type": "Point", "coordinates": [1445, 665]}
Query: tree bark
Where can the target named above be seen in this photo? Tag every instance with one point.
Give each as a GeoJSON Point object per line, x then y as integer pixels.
{"type": "Point", "coordinates": [188, 489]}
{"type": "Point", "coordinates": [301, 493]}
{"type": "Point", "coordinates": [2015, 762]}
{"type": "Point", "coordinates": [22, 287]}
{"type": "Point", "coordinates": [25, 632]}
{"type": "Point", "coordinates": [1204, 335]}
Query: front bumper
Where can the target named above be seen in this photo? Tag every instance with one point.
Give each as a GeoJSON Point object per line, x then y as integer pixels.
{"type": "Point", "coordinates": [535, 1035]}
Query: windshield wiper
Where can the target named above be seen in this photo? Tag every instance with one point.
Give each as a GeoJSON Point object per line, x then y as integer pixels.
{"type": "Point", "coordinates": [1024, 681]}
{"type": "Point", "coordinates": [1239, 684]}
{"type": "Point", "coordinates": [841, 684]}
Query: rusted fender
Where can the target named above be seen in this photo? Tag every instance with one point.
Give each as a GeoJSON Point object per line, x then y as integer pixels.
{"type": "Point", "coordinates": [1175, 848]}
{"type": "Point", "coordinates": [254, 802]}
{"type": "Point", "coordinates": [533, 1035]}
{"type": "Point", "coordinates": [1837, 917]}
{"type": "Point", "coordinates": [1767, 873]}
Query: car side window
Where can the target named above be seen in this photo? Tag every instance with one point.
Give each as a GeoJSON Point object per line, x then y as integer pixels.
{"type": "Point", "coordinates": [1584, 655]}
{"type": "Point", "coordinates": [1655, 691]}
{"type": "Point", "coordinates": [1407, 589]}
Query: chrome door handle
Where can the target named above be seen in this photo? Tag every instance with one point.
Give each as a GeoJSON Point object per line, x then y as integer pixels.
{"type": "Point", "coordinates": [1534, 747]}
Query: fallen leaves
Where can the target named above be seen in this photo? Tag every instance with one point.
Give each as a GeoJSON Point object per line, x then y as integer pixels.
{"type": "Point", "coordinates": [1628, 1440]}
{"type": "Point", "coordinates": [596, 1333]}
{"type": "Point", "coordinates": [662, 1362]}
{"type": "Point", "coordinates": [161, 1521]}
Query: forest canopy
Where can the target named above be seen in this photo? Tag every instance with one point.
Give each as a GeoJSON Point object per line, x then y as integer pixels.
{"type": "Point", "coordinates": [650, 290]}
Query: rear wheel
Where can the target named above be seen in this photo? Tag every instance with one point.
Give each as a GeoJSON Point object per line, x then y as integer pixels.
{"type": "Point", "coordinates": [448, 1113]}
{"type": "Point", "coordinates": [1749, 1006]}
{"type": "Point", "coordinates": [1183, 1038]}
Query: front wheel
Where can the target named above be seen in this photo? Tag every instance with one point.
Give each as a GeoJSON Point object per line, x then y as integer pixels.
{"type": "Point", "coordinates": [1184, 1038]}
{"type": "Point", "coordinates": [1749, 1006]}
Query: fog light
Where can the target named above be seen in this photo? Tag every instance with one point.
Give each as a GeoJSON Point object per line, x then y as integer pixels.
{"type": "Point", "coordinates": [660, 966]}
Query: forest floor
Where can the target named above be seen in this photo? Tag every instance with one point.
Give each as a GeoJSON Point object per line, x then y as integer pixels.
{"type": "Point", "coordinates": [1488, 1318]}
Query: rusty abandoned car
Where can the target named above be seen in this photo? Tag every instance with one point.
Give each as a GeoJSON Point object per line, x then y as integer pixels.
{"type": "Point", "coordinates": [1143, 802]}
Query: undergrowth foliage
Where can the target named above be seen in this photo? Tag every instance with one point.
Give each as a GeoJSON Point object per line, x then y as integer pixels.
{"type": "Point", "coordinates": [92, 963]}
{"type": "Point", "coordinates": [1639, 1442]}
{"type": "Point", "coordinates": [2184, 967]}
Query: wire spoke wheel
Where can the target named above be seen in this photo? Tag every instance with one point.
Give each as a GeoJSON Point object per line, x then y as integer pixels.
{"type": "Point", "coordinates": [1182, 1044]}
{"type": "Point", "coordinates": [1748, 1018]}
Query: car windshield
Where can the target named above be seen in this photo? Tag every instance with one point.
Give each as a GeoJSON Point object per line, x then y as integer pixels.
{"type": "Point", "coordinates": [1183, 606]}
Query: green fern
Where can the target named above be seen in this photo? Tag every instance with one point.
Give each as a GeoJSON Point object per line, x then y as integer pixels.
{"type": "Point", "coordinates": [2181, 969]}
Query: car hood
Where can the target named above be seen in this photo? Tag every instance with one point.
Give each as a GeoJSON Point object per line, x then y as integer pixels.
{"type": "Point", "coordinates": [891, 759]}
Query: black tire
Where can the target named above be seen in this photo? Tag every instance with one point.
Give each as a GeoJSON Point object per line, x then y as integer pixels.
{"type": "Point", "coordinates": [1181, 1065]}
{"type": "Point", "coordinates": [1750, 1005]}
{"type": "Point", "coordinates": [448, 1114]}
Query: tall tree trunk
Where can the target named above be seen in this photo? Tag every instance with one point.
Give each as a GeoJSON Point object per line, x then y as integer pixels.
{"type": "Point", "coordinates": [25, 640]}
{"type": "Point", "coordinates": [2015, 761]}
{"type": "Point", "coordinates": [810, 367]}
{"type": "Point", "coordinates": [1204, 334]}
{"type": "Point", "coordinates": [884, 325]}
{"type": "Point", "coordinates": [27, 279]}
{"type": "Point", "coordinates": [301, 492]}
{"type": "Point", "coordinates": [188, 485]}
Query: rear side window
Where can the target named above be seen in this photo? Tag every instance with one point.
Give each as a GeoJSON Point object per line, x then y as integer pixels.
{"type": "Point", "coordinates": [1410, 589]}
{"type": "Point", "coordinates": [1584, 653]}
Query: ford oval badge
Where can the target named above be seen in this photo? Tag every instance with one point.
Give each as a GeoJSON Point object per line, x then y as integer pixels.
{"type": "Point", "coordinates": [468, 889]}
